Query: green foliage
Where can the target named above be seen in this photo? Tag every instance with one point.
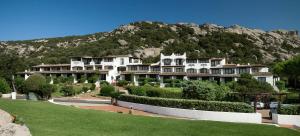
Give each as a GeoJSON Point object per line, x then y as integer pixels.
{"type": "Point", "coordinates": [84, 89]}
{"type": "Point", "coordinates": [152, 91]}
{"type": "Point", "coordinates": [93, 79]}
{"type": "Point", "coordinates": [104, 83]}
{"type": "Point", "coordinates": [68, 90]}
{"type": "Point", "coordinates": [46, 90]}
{"type": "Point", "coordinates": [204, 90]}
{"type": "Point", "coordinates": [280, 84]}
{"type": "Point", "coordinates": [34, 83]}
{"type": "Point", "coordinates": [107, 90]}
{"type": "Point", "coordinates": [189, 104]}
{"type": "Point", "coordinates": [82, 79]}
{"type": "Point", "coordinates": [4, 86]}
{"type": "Point", "coordinates": [19, 84]}
{"type": "Point", "coordinates": [63, 79]}
{"type": "Point", "coordinates": [247, 85]}
{"type": "Point", "coordinates": [93, 87]}
{"type": "Point", "coordinates": [122, 83]}
{"type": "Point", "coordinates": [290, 110]}
{"type": "Point", "coordinates": [37, 84]}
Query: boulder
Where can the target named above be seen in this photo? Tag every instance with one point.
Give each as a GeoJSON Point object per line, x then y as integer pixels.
{"type": "Point", "coordinates": [5, 118]}
{"type": "Point", "coordinates": [12, 129]}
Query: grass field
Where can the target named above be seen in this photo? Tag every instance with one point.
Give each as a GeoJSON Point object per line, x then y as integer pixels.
{"type": "Point", "coordinates": [46, 119]}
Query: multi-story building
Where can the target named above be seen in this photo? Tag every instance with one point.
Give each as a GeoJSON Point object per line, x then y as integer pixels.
{"type": "Point", "coordinates": [174, 66]}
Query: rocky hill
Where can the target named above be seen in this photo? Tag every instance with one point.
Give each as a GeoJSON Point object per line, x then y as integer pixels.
{"type": "Point", "coordinates": [148, 39]}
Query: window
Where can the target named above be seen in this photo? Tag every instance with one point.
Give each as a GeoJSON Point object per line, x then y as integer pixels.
{"type": "Point", "coordinates": [203, 70]}
{"type": "Point", "coordinates": [228, 71]}
{"type": "Point", "coordinates": [255, 70]}
{"type": "Point", "coordinates": [155, 68]}
{"type": "Point", "coordinates": [191, 61]}
{"type": "Point", "coordinates": [216, 71]}
{"type": "Point", "coordinates": [262, 79]}
{"type": "Point", "coordinates": [122, 61]}
{"type": "Point", "coordinates": [108, 59]}
{"type": "Point", "coordinates": [191, 70]}
{"type": "Point", "coordinates": [203, 60]}
{"type": "Point", "coordinates": [179, 61]}
{"type": "Point", "coordinates": [167, 69]}
{"type": "Point", "coordinates": [215, 63]}
{"type": "Point", "coordinates": [144, 68]}
{"type": "Point", "coordinates": [108, 67]}
{"type": "Point", "coordinates": [179, 69]}
{"type": "Point", "coordinates": [87, 60]}
{"type": "Point", "coordinates": [167, 61]}
{"type": "Point", "coordinates": [132, 68]}
{"type": "Point", "coordinates": [97, 61]}
{"type": "Point", "coordinates": [244, 70]}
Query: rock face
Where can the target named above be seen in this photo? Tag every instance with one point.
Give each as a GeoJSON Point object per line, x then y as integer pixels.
{"type": "Point", "coordinates": [273, 45]}
{"type": "Point", "coordinates": [12, 129]}
{"type": "Point", "coordinates": [7, 128]}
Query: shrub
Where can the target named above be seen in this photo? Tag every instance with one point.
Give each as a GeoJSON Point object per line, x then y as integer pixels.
{"type": "Point", "coordinates": [46, 91]}
{"type": "Point", "coordinates": [280, 84]}
{"type": "Point", "coordinates": [122, 83]}
{"type": "Point", "coordinates": [82, 79]}
{"type": "Point", "coordinates": [67, 90]}
{"type": "Point", "coordinates": [93, 87]}
{"type": "Point", "coordinates": [4, 86]}
{"type": "Point", "coordinates": [34, 83]}
{"type": "Point", "coordinates": [19, 84]}
{"type": "Point", "coordinates": [93, 79]}
{"type": "Point", "coordinates": [107, 90]}
{"type": "Point", "coordinates": [104, 83]}
{"type": "Point", "coordinates": [289, 110]}
{"type": "Point", "coordinates": [190, 104]}
{"type": "Point", "coordinates": [137, 90]}
{"type": "Point", "coordinates": [84, 89]}
{"type": "Point", "coordinates": [204, 90]}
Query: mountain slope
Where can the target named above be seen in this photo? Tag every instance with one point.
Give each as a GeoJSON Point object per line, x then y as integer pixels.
{"type": "Point", "coordinates": [148, 39]}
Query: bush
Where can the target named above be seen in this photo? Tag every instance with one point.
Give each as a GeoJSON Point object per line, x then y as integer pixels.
{"type": "Point", "coordinates": [82, 79]}
{"type": "Point", "coordinates": [190, 104]}
{"type": "Point", "coordinates": [122, 83]}
{"type": "Point", "coordinates": [46, 91]}
{"type": "Point", "coordinates": [93, 87]}
{"type": "Point", "coordinates": [93, 79]}
{"type": "Point", "coordinates": [19, 84]}
{"type": "Point", "coordinates": [4, 86]}
{"type": "Point", "coordinates": [137, 90]}
{"type": "Point", "coordinates": [68, 90]}
{"type": "Point", "coordinates": [280, 84]}
{"type": "Point", "coordinates": [148, 90]}
{"type": "Point", "coordinates": [84, 89]}
{"type": "Point", "coordinates": [104, 83]}
{"type": "Point", "coordinates": [107, 90]}
{"type": "Point", "coordinates": [204, 90]}
{"type": "Point", "coordinates": [34, 83]}
{"type": "Point", "coordinates": [290, 110]}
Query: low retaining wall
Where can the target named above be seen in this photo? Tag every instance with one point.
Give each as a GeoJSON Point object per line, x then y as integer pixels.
{"type": "Point", "coordinates": [196, 114]}
{"type": "Point", "coordinates": [286, 119]}
{"type": "Point", "coordinates": [6, 95]}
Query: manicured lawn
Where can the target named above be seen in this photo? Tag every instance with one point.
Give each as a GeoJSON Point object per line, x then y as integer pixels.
{"type": "Point", "coordinates": [46, 119]}
{"type": "Point", "coordinates": [77, 87]}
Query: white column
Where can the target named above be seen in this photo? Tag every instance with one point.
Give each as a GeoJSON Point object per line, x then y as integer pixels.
{"type": "Point", "coordinates": [161, 82]}
{"type": "Point", "coordinates": [86, 81]}
{"type": "Point", "coordinates": [75, 78]}
{"type": "Point", "coordinates": [51, 79]}
{"type": "Point", "coordinates": [135, 80]}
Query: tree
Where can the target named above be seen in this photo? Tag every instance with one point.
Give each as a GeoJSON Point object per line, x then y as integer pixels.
{"type": "Point", "coordinates": [37, 84]}
{"type": "Point", "coordinates": [68, 90]}
{"type": "Point", "coordinates": [4, 86]}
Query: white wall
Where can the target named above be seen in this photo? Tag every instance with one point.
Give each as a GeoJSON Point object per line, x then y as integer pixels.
{"type": "Point", "coordinates": [286, 119]}
{"type": "Point", "coordinates": [196, 114]}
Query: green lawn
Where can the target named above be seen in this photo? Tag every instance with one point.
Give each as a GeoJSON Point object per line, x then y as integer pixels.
{"type": "Point", "coordinates": [173, 89]}
{"type": "Point", "coordinates": [46, 119]}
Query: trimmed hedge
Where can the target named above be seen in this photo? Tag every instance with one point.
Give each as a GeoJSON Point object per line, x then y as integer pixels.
{"type": "Point", "coordinates": [290, 110]}
{"type": "Point", "coordinates": [190, 104]}
{"type": "Point", "coordinates": [153, 92]}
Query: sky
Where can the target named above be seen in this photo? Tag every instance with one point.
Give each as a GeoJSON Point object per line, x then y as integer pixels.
{"type": "Point", "coordinates": [34, 19]}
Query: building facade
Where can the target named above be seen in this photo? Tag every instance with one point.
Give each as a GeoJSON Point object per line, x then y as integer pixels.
{"type": "Point", "coordinates": [174, 66]}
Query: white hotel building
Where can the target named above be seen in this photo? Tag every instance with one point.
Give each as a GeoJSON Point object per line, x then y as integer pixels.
{"type": "Point", "coordinates": [174, 66]}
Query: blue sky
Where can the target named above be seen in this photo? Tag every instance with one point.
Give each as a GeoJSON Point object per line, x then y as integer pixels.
{"type": "Point", "coordinates": [31, 19]}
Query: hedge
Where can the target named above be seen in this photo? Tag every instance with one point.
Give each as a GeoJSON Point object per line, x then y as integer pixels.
{"type": "Point", "coordinates": [290, 110]}
{"type": "Point", "coordinates": [190, 104]}
{"type": "Point", "coordinates": [153, 92]}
